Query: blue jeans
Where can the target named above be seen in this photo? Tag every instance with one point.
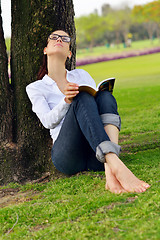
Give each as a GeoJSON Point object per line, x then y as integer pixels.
{"type": "Point", "coordinates": [82, 142]}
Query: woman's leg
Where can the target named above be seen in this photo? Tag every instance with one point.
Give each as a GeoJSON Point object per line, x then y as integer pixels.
{"type": "Point", "coordinates": [118, 177]}
{"type": "Point", "coordinates": [85, 112]}
{"type": "Point", "coordinates": [71, 152]}
{"type": "Point", "coordinates": [81, 137]}
{"type": "Point", "coordinates": [125, 177]}
{"type": "Point", "coordinates": [112, 122]}
{"type": "Point", "coordinates": [112, 183]}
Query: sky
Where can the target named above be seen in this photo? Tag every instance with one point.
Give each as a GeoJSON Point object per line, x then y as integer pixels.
{"type": "Point", "coordinates": [81, 7]}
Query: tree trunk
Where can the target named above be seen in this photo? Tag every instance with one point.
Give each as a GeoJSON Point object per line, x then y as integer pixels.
{"type": "Point", "coordinates": [150, 27]}
{"type": "Point", "coordinates": [158, 31]}
{"type": "Point", "coordinates": [117, 38]}
{"type": "Point", "coordinates": [32, 22]}
{"type": "Point", "coordinates": [5, 91]}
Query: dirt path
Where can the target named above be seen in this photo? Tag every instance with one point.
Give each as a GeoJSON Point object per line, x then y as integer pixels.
{"type": "Point", "coordinates": [13, 196]}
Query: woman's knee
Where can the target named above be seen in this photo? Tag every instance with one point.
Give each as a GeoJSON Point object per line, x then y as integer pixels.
{"type": "Point", "coordinates": [83, 101]}
{"type": "Point", "coordinates": [106, 103]}
{"type": "Point", "coordinates": [83, 96]}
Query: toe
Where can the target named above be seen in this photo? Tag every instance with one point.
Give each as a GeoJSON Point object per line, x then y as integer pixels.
{"type": "Point", "coordinates": [140, 189]}
{"type": "Point", "coordinates": [144, 186]}
{"type": "Point", "coordinates": [116, 191]}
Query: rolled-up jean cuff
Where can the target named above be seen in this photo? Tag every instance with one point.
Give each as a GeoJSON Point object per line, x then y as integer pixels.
{"type": "Point", "coordinates": [106, 147]}
{"type": "Point", "coordinates": [110, 118]}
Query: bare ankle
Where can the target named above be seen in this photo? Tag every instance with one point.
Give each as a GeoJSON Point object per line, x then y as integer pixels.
{"type": "Point", "coordinates": [113, 161]}
{"type": "Point", "coordinates": [111, 157]}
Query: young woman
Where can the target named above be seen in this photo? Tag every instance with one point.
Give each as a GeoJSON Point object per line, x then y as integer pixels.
{"type": "Point", "coordinates": [84, 129]}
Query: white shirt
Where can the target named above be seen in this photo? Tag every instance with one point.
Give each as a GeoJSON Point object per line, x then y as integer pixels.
{"type": "Point", "coordinates": [48, 101]}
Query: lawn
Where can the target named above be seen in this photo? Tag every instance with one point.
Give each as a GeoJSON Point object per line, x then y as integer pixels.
{"type": "Point", "coordinates": [104, 50]}
{"type": "Point", "coordinates": [78, 207]}
{"type": "Point", "coordinates": [137, 90]}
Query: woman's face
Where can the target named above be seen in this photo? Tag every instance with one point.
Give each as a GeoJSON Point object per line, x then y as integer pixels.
{"type": "Point", "coordinates": [58, 45]}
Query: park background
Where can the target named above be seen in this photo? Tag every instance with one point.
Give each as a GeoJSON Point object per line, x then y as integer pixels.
{"type": "Point", "coordinates": [79, 207]}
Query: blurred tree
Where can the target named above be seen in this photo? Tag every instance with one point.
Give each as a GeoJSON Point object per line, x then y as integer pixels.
{"type": "Point", "coordinates": [89, 28]}
{"type": "Point", "coordinates": [121, 23]}
{"type": "Point", "coordinates": [25, 150]}
{"type": "Point", "coordinates": [109, 32]}
{"type": "Point", "coordinates": [143, 14]}
{"type": "Point", "coordinates": [126, 21]}
{"type": "Point", "coordinates": [80, 31]}
{"type": "Point", "coordinates": [138, 31]}
{"type": "Point", "coordinates": [115, 24]}
{"type": "Point", "coordinates": [154, 14]}
{"type": "Point", "coordinates": [106, 8]}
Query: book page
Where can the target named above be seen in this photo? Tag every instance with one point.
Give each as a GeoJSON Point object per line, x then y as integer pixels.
{"type": "Point", "coordinates": [106, 85]}
{"type": "Point", "coordinates": [88, 89]}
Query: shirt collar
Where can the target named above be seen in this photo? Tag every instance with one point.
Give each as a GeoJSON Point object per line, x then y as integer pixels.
{"type": "Point", "coordinates": [49, 81]}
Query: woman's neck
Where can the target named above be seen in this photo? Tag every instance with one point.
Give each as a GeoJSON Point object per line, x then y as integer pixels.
{"type": "Point", "coordinates": [56, 70]}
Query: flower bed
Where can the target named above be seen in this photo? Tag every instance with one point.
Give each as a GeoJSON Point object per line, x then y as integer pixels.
{"type": "Point", "coordinates": [117, 56]}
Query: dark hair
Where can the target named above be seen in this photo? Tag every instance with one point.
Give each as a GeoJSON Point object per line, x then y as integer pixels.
{"type": "Point", "coordinates": [43, 69]}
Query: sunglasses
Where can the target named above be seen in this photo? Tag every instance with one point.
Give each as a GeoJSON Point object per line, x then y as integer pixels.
{"type": "Point", "coordinates": [63, 38]}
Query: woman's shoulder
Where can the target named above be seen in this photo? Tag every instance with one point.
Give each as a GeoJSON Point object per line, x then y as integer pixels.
{"type": "Point", "coordinates": [81, 76]}
{"type": "Point", "coordinates": [78, 71]}
{"type": "Point", "coordinates": [40, 83]}
{"type": "Point", "coordinates": [35, 84]}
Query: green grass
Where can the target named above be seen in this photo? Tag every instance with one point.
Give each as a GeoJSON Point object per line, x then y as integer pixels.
{"type": "Point", "coordinates": [103, 50]}
{"type": "Point", "coordinates": [137, 90]}
{"type": "Point", "coordinates": [8, 44]}
{"type": "Point", "coordinates": [79, 208]}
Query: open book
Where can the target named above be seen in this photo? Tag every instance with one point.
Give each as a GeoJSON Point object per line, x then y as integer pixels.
{"type": "Point", "coordinates": [105, 85]}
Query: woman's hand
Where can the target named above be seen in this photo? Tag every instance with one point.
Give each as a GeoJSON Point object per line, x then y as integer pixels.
{"type": "Point", "coordinates": [70, 91]}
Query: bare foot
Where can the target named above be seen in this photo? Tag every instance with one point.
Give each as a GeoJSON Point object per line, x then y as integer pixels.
{"type": "Point", "coordinates": [112, 184]}
{"type": "Point", "coordinates": [125, 177]}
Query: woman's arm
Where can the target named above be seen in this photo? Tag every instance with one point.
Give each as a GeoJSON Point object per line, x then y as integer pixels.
{"type": "Point", "coordinates": [50, 118]}
{"type": "Point", "coordinates": [53, 117]}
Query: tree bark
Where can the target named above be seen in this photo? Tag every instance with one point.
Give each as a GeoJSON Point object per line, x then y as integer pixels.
{"type": "Point", "coordinates": [32, 22]}
{"type": "Point", "coordinates": [5, 91]}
